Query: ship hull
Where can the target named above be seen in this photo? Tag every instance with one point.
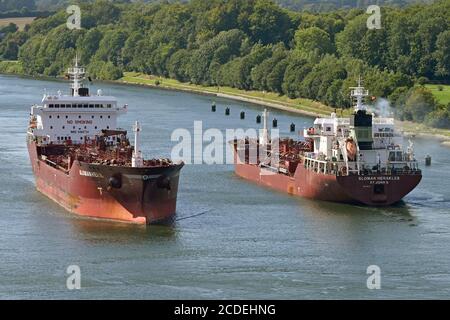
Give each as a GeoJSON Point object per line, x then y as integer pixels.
{"type": "Point", "coordinates": [372, 190]}
{"type": "Point", "coordinates": [136, 195]}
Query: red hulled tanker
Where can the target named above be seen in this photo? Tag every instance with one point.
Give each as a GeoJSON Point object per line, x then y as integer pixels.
{"type": "Point", "coordinates": [358, 159]}
{"type": "Point", "coordinates": [82, 161]}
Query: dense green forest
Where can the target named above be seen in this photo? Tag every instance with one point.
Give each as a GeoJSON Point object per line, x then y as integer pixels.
{"type": "Point", "coordinates": [253, 44]}
{"type": "Point", "coordinates": [329, 5]}
{"type": "Point", "coordinates": [15, 5]}
{"type": "Point", "coordinates": [299, 5]}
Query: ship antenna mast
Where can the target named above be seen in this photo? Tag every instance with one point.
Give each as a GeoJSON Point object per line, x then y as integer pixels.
{"type": "Point", "coordinates": [359, 93]}
{"type": "Point", "coordinates": [137, 160]}
{"type": "Point", "coordinates": [76, 74]}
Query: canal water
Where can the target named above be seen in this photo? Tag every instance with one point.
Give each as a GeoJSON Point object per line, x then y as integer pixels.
{"type": "Point", "coordinates": [232, 240]}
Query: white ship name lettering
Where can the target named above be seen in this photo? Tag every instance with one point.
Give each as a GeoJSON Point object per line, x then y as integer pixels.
{"type": "Point", "coordinates": [90, 174]}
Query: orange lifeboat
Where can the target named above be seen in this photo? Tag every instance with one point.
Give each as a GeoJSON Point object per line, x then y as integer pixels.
{"type": "Point", "coordinates": [350, 145]}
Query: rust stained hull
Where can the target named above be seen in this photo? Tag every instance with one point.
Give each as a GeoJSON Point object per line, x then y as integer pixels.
{"type": "Point", "coordinates": [327, 187]}
{"type": "Point", "coordinates": [146, 195]}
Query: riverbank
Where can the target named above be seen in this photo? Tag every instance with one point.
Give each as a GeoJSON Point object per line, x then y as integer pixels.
{"type": "Point", "coordinates": [268, 99]}
{"type": "Point", "coordinates": [300, 106]}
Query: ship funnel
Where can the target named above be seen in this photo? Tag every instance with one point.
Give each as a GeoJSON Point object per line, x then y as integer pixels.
{"type": "Point", "coordinates": [137, 160]}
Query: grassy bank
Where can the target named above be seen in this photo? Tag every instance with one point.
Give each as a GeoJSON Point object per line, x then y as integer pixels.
{"type": "Point", "coordinates": [270, 99]}
{"type": "Point", "coordinates": [419, 129]}
{"type": "Point", "coordinates": [302, 106]}
{"type": "Point", "coordinates": [440, 92]}
{"type": "Point", "coordinates": [11, 67]}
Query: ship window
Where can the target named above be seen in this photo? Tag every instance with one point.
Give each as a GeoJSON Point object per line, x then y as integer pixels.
{"type": "Point", "coordinates": [51, 127]}
{"type": "Point", "coordinates": [85, 105]}
{"type": "Point", "coordinates": [67, 117]}
{"type": "Point", "coordinates": [57, 116]}
{"type": "Point", "coordinates": [56, 105]}
{"type": "Point", "coordinates": [391, 156]}
{"type": "Point", "coordinates": [73, 127]}
{"type": "Point", "coordinates": [49, 116]}
{"type": "Point", "coordinates": [85, 127]}
{"type": "Point", "coordinates": [50, 106]}
{"type": "Point", "coordinates": [399, 156]}
{"type": "Point", "coordinates": [92, 117]}
{"type": "Point", "coordinates": [80, 106]}
{"type": "Point", "coordinates": [57, 138]}
{"type": "Point", "coordinates": [62, 106]}
{"type": "Point", "coordinates": [91, 106]}
{"type": "Point", "coordinates": [107, 127]}
{"type": "Point", "coordinates": [95, 127]}
{"type": "Point", "coordinates": [63, 127]}
{"type": "Point", "coordinates": [109, 117]}
{"type": "Point", "coordinates": [328, 128]}
{"type": "Point", "coordinates": [81, 138]}
{"type": "Point", "coordinates": [79, 117]}
{"type": "Point", "coordinates": [97, 106]}
{"type": "Point", "coordinates": [101, 117]}
{"type": "Point", "coordinates": [109, 105]}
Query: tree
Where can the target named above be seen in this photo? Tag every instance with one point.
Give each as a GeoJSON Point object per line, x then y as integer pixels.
{"type": "Point", "coordinates": [110, 47]}
{"type": "Point", "coordinates": [177, 65]}
{"type": "Point", "coordinates": [88, 45]}
{"type": "Point", "coordinates": [220, 49]}
{"type": "Point", "coordinates": [419, 103]}
{"type": "Point", "coordinates": [297, 69]}
{"type": "Point", "coordinates": [10, 28]}
{"type": "Point", "coordinates": [269, 23]}
{"type": "Point", "coordinates": [314, 40]}
{"type": "Point", "coordinates": [275, 78]}
{"type": "Point", "coordinates": [442, 54]}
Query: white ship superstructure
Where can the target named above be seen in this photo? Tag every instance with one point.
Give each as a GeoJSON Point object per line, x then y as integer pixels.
{"type": "Point", "coordinates": [360, 143]}
{"type": "Point", "coordinates": [75, 117]}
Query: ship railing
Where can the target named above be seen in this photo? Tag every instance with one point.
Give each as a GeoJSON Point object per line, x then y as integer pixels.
{"type": "Point", "coordinates": [319, 166]}
{"type": "Point", "coordinates": [391, 168]}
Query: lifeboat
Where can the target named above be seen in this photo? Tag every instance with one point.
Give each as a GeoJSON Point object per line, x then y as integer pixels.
{"type": "Point", "coordinates": [350, 145]}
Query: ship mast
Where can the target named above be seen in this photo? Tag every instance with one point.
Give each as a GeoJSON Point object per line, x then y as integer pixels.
{"type": "Point", "coordinates": [136, 159]}
{"type": "Point", "coordinates": [359, 93]}
{"type": "Point", "coordinates": [76, 74]}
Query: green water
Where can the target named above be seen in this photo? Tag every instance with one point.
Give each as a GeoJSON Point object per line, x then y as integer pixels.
{"type": "Point", "coordinates": [250, 243]}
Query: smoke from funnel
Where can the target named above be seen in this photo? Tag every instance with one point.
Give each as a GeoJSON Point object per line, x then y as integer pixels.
{"type": "Point", "coordinates": [382, 108]}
